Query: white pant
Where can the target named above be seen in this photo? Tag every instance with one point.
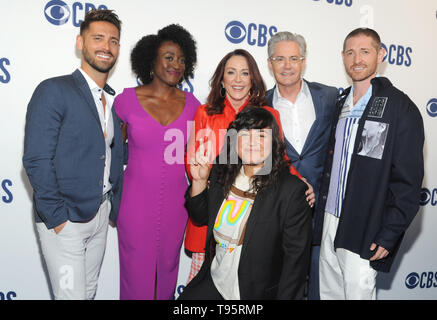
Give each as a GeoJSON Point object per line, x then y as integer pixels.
{"type": "Point", "coordinates": [344, 275]}
{"type": "Point", "coordinates": [74, 256]}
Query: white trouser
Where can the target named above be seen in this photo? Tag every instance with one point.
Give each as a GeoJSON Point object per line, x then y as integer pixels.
{"type": "Point", "coordinates": [344, 275]}
{"type": "Point", "coordinates": [74, 255]}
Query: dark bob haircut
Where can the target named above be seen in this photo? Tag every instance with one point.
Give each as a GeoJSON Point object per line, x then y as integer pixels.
{"type": "Point", "coordinates": [257, 93]}
{"type": "Point", "coordinates": [146, 50]}
{"type": "Point", "coordinates": [100, 15]}
{"type": "Point", "coordinates": [252, 117]}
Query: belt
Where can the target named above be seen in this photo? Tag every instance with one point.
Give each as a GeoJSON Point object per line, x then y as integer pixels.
{"type": "Point", "coordinates": [106, 196]}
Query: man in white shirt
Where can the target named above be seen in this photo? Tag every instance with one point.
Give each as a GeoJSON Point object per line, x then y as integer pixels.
{"type": "Point", "coordinates": [306, 110]}
{"type": "Point", "coordinates": [73, 156]}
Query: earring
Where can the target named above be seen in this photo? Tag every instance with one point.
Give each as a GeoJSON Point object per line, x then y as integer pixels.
{"type": "Point", "coordinates": [151, 74]}
{"type": "Point", "coordinates": [222, 91]}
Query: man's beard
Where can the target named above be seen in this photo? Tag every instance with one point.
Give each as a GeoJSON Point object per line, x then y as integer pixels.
{"type": "Point", "coordinates": [360, 77]}
{"type": "Point", "coordinates": [103, 67]}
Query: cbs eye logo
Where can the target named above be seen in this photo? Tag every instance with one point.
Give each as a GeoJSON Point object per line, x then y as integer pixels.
{"type": "Point", "coordinates": [235, 31]}
{"type": "Point", "coordinates": [256, 34]}
{"type": "Point", "coordinates": [412, 280]}
{"type": "Point", "coordinates": [57, 12]}
{"type": "Point", "coordinates": [431, 107]}
{"type": "Point", "coordinates": [426, 280]}
{"type": "Point", "coordinates": [428, 196]}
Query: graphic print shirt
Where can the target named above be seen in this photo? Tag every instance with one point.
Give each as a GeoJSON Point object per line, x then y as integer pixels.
{"type": "Point", "coordinates": [229, 229]}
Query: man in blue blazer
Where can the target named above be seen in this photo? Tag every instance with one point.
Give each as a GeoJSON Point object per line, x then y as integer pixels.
{"type": "Point", "coordinates": [306, 110]}
{"type": "Point", "coordinates": [73, 156]}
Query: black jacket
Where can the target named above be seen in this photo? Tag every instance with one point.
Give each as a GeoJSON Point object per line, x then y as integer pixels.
{"type": "Point", "coordinates": [276, 247]}
{"type": "Point", "coordinates": [382, 195]}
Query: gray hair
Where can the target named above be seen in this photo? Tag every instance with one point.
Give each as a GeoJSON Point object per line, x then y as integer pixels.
{"type": "Point", "coordinates": [287, 36]}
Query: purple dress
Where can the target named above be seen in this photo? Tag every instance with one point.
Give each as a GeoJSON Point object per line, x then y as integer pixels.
{"type": "Point", "coordinates": [152, 217]}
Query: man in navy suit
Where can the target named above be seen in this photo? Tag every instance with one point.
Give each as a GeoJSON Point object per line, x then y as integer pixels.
{"type": "Point", "coordinates": [73, 156]}
{"type": "Point", "coordinates": [306, 110]}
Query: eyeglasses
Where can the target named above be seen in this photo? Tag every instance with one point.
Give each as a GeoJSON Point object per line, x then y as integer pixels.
{"type": "Point", "coordinates": [280, 60]}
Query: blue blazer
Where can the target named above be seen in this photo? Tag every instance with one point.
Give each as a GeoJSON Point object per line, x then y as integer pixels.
{"type": "Point", "coordinates": [64, 152]}
{"type": "Point", "coordinates": [310, 162]}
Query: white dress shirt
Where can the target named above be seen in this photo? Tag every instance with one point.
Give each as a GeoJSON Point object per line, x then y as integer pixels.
{"type": "Point", "coordinates": [296, 118]}
{"type": "Point", "coordinates": [106, 122]}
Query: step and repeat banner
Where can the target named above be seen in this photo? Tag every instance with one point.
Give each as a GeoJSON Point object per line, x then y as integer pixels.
{"type": "Point", "coordinates": [38, 41]}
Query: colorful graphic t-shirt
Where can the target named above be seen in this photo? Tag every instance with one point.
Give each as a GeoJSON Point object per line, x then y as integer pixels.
{"type": "Point", "coordinates": [229, 229]}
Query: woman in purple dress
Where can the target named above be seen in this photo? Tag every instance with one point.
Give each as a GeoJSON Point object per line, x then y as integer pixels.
{"type": "Point", "coordinates": [157, 115]}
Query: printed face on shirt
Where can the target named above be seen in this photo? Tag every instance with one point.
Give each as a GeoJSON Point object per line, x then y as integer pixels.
{"type": "Point", "coordinates": [361, 58]}
{"type": "Point", "coordinates": [286, 69]}
{"type": "Point", "coordinates": [254, 145]}
{"type": "Point", "coordinates": [169, 66]}
{"type": "Point", "coordinates": [236, 80]}
{"type": "Point", "coordinates": [100, 46]}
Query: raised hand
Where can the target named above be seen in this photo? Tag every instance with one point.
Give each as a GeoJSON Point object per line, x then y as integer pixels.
{"type": "Point", "coordinates": [200, 167]}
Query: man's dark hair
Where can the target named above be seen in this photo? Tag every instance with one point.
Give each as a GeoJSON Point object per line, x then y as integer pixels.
{"type": "Point", "coordinates": [100, 15]}
{"type": "Point", "coordinates": [365, 32]}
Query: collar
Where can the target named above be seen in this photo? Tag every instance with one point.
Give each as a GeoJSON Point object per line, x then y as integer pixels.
{"type": "Point", "coordinates": [304, 91]}
{"type": "Point", "coordinates": [228, 105]}
{"type": "Point", "coordinates": [355, 111]}
{"type": "Point", "coordinates": [109, 90]}
{"type": "Point", "coordinates": [378, 83]}
{"type": "Point", "coordinates": [93, 85]}
{"type": "Point", "coordinates": [368, 93]}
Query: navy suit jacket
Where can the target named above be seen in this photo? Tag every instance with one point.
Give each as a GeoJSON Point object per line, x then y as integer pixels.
{"type": "Point", "coordinates": [64, 152]}
{"type": "Point", "coordinates": [310, 162]}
